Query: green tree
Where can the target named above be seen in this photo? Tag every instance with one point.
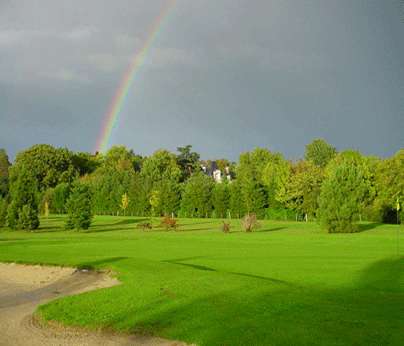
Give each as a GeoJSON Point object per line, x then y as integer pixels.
{"type": "Point", "coordinates": [236, 205]}
{"type": "Point", "coordinates": [160, 172]}
{"type": "Point", "coordinates": [302, 189]}
{"type": "Point", "coordinates": [85, 163]}
{"type": "Point", "coordinates": [3, 211]}
{"type": "Point", "coordinates": [249, 176]}
{"type": "Point", "coordinates": [342, 193]}
{"type": "Point", "coordinates": [320, 152]}
{"type": "Point", "coordinates": [79, 207]}
{"type": "Point", "coordinates": [4, 176]}
{"type": "Point", "coordinates": [220, 199]}
{"type": "Point", "coordinates": [275, 176]}
{"type": "Point", "coordinates": [124, 202]}
{"type": "Point", "coordinates": [188, 160]}
{"type": "Point", "coordinates": [389, 183]}
{"type": "Point", "coordinates": [196, 197]}
{"type": "Point", "coordinates": [119, 157]}
{"type": "Point", "coordinates": [47, 165]}
{"type": "Point", "coordinates": [60, 196]}
{"type": "Point", "coordinates": [23, 209]}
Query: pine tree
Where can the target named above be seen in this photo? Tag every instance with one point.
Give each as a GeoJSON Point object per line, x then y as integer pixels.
{"type": "Point", "coordinates": [79, 207]}
{"type": "Point", "coordinates": [341, 195]}
{"type": "Point", "coordinates": [23, 210]}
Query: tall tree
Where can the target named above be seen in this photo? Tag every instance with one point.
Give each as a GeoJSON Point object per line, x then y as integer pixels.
{"type": "Point", "coordinates": [249, 176]}
{"type": "Point", "coordinates": [161, 173]}
{"type": "Point", "coordinates": [389, 181]}
{"type": "Point", "coordinates": [79, 207]}
{"type": "Point", "coordinates": [275, 176]}
{"type": "Point", "coordinates": [4, 175]}
{"type": "Point", "coordinates": [47, 165]}
{"type": "Point", "coordinates": [197, 196]}
{"type": "Point", "coordinates": [221, 199]}
{"type": "Point", "coordinates": [24, 207]}
{"type": "Point", "coordinates": [188, 160]}
{"type": "Point", "coordinates": [302, 189]}
{"type": "Point", "coordinates": [346, 189]}
{"type": "Point", "coordinates": [320, 152]}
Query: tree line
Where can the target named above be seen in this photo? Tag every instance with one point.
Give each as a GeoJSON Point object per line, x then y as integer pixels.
{"type": "Point", "coordinates": [336, 188]}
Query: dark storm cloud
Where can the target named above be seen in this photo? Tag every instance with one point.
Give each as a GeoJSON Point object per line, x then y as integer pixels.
{"type": "Point", "coordinates": [225, 76]}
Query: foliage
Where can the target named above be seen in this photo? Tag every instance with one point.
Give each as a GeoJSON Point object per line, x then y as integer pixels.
{"type": "Point", "coordinates": [342, 192]}
{"type": "Point", "coordinates": [160, 176]}
{"type": "Point", "coordinates": [47, 202]}
{"type": "Point", "coordinates": [220, 199]}
{"type": "Point", "coordinates": [24, 195]}
{"type": "Point", "coordinates": [145, 226]}
{"type": "Point", "coordinates": [124, 202]}
{"type": "Point", "coordinates": [3, 211]}
{"type": "Point", "coordinates": [319, 152]}
{"type": "Point", "coordinates": [79, 207]}
{"type": "Point", "coordinates": [280, 214]}
{"type": "Point", "coordinates": [236, 204]}
{"type": "Point", "coordinates": [169, 223]}
{"type": "Point", "coordinates": [226, 227]}
{"type": "Point", "coordinates": [250, 222]}
{"type": "Point", "coordinates": [47, 165]}
{"type": "Point", "coordinates": [85, 163]}
{"type": "Point", "coordinates": [28, 218]}
{"type": "Point", "coordinates": [120, 158]}
{"type": "Point", "coordinates": [389, 182]}
{"type": "Point", "coordinates": [60, 196]}
{"type": "Point", "coordinates": [196, 197]}
{"type": "Point", "coordinates": [302, 189]}
{"type": "Point", "coordinates": [275, 177]}
{"type": "Point", "coordinates": [188, 160]}
{"type": "Point", "coordinates": [249, 176]}
{"type": "Point", "coordinates": [4, 175]}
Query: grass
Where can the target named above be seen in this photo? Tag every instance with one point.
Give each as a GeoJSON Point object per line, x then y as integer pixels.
{"type": "Point", "coordinates": [286, 284]}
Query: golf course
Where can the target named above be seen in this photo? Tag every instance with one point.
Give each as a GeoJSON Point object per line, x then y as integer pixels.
{"type": "Point", "coordinates": [287, 283]}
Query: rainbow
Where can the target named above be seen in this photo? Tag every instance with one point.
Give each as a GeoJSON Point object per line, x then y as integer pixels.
{"type": "Point", "coordinates": [112, 116]}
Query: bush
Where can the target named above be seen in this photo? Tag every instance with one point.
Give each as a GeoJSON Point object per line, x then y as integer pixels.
{"type": "Point", "coordinates": [341, 196]}
{"type": "Point", "coordinates": [79, 208]}
{"type": "Point", "coordinates": [250, 222]}
{"type": "Point", "coordinates": [169, 223]}
{"type": "Point", "coordinates": [145, 226]}
{"type": "Point", "coordinates": [226, 227]}
{"type": "Point", "coordinates": [3, 212]}
{"type": "Point", "coordinates": [28, 218]}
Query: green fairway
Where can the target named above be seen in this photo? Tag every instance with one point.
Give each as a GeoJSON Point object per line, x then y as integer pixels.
{"type": "Point", "coordinates": [286, 284]}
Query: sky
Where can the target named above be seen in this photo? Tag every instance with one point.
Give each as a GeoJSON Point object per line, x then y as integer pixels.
{"type": "Point", "coordinates": [223, 75]}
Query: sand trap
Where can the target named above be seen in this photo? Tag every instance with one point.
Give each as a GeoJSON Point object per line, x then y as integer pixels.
{"type": "Point", "coordinates": [23, 288]}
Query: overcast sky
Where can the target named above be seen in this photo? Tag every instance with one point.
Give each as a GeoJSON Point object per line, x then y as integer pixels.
{"type": "Point", "coordinates": [223, 75]}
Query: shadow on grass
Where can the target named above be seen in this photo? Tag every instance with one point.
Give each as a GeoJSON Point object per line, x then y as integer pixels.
{"type": "Point", "coordinates": [206, 268]}
{"type": "Point", "coordinates": [370, 313]}
{"type": "Point", "coordinates": [98, 263]}
{"type": "Point", "coordinates": [270, 229]}
{"type": "Point", "coordinates": [368, 226]}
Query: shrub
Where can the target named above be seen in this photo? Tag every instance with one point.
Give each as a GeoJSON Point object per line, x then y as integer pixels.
{"type": "Point", "coordinates": [341, 196]}
{"type": "Point", "coordinates": [28, 218]}
{"type": "Point", "coordinates": [3, 212]}
{"type": "Point", "coordinates": [145, 226]}
{"type": "Point", "coordinates": [169, 223]}
{"type": "Point", "coordinates": [79, 208]}
{"type": "Point", "coordinates": [226, 227]}
{"type": "Point", "coordinates": [250, 222]}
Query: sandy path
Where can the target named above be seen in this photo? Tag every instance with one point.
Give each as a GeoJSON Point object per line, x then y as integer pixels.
{"type": "Point", "coordinates": [23, 288]}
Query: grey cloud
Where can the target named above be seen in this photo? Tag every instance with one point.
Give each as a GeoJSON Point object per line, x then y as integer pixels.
{"type": "Point", "coordinates": [223, 75]}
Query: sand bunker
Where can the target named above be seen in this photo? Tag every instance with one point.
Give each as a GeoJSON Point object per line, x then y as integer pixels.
{"type": "Point", "coordinates": [23, 288]}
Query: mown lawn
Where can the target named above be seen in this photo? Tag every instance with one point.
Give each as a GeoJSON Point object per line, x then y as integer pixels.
{"type": "Point", "coordinates": [286, 284]}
